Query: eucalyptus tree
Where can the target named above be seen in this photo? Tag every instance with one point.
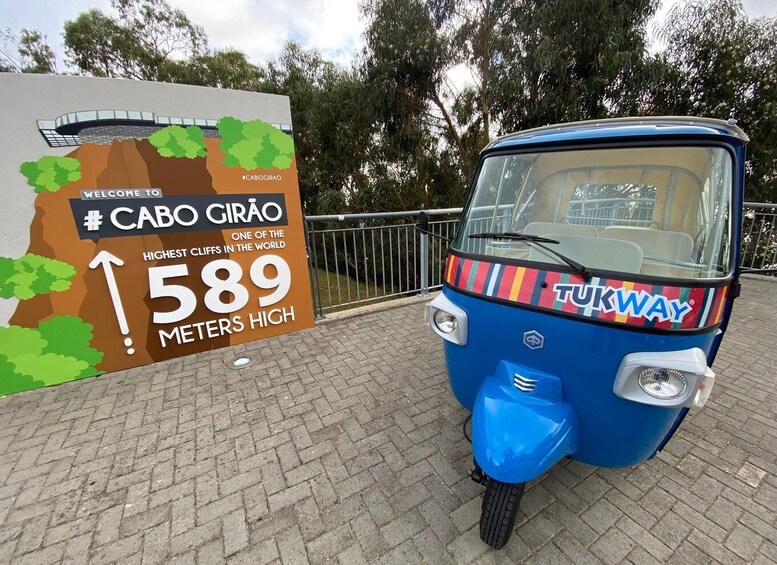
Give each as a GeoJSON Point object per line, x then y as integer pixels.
{"type": "Point", "coordinates": [220, 68]}
{"type": "Point", "coordinates": [567, 60]}
{"type": "Point", "coordinates": [135, 43]}
{"type": "Point", "coordinates": [28, 52]}
{"type": "Point", "coordinates": [334, 128]}
{"type": "Point", "coordinates": [720, 63]}
{"type": "Point", "coordinates": [412, 47]}
{"type": "Point", "coordinates": [531, 62]}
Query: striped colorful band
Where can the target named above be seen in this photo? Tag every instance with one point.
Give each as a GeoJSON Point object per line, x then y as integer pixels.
{"type": "Point", "coordinates": [610, 300]}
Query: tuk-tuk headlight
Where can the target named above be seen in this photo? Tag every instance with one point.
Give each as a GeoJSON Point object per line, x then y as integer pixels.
{"type": "Point", "coordinates": [664, 378]}
{"type": "Point", "coordinates": [445, 321]}
{"type": "Point", "coordinates": [665, 384]}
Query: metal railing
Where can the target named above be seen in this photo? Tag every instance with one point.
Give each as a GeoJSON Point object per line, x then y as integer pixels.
{"type": "Point", "coordinates": [362, 258]}
{"type": "Point", "coordinates": [359, 259]}
{"type": "Point", "coordinates": [759, 237]}
{"type": "Point", "coordinates": [603, 212]}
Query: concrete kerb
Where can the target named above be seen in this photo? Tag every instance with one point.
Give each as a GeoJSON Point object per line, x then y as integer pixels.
{"type": "Point", "coordinates": [378, 307]}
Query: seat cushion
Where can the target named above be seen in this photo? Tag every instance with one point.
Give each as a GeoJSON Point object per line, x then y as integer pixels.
{"type": "Point", "coordinates": [593, 252]}
{"type": "Point", "coordinates": [654, 243]}
{"type": "Point", "coordinates": [551, 228]}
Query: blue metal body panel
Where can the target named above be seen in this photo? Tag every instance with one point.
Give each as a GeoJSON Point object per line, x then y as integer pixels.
{"type": "Point", "coordinates": [519, 435]}
{"type": "Point", "coordinates": [584, 356]}
{"type": "Point", "coordinates": [624, 129]}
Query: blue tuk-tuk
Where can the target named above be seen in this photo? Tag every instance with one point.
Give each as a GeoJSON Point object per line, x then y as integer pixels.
{"type": "Point", "coordinates": [586, 293]}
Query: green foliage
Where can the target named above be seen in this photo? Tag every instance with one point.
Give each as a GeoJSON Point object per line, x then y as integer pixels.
{"type": "Point", "coordinates": [175, 141]}
{"type": "Point", "coordinates": [69, 336]}
{"type": "Point", "coordinates": [333, 118]}
{"type": "Point", "coordinates": [32, 274]}
{"type": "Point", "coordinates": [51, 367]}
{"type": "Point", "coordinates": [16, 341]}
{"type": "Point", "coordinates": [26, 53]}
{"type": "Point", "coordinates": [11, 381]}
{"type": "Point", "coordinates": [57, 351]}
{"type": "Point", "coordinates": [254, 145]}
{"type": "Point", "coordinates": [569, 60]}
{"type": "Point", "coordinates": [412, 45]}
{"type": "Point", "coordinates": [51, 173]}
{"type": "Point", "coordinates": [227, 68]}
{"type": "Point", "coordinates": [136, 43]}
{"type": "Point", "coordinates": [719, 63]}
{"type": "Point", "coordinates": [392, 132]}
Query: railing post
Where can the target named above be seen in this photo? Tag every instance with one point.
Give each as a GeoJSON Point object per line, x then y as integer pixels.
{"type": "Point", "coordinates": [424, 265]}
{"type": "Point", "coordinates": [310, 240]}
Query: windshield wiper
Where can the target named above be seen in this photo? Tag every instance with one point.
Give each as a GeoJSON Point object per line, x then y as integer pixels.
{"type": "Point", "coordinates": [581, 270]}
{"type": "Point", "coordinates": [514, 236]}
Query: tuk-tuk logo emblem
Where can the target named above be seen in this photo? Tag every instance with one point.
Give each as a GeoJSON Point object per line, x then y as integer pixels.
{"type": "Point", "coordinates": [533, 340]}
{"type": "Point", "coordinates": [637, 304]}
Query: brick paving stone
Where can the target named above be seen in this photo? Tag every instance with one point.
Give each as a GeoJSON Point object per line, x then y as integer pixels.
{"type": "Point", "coordinates": [467, 515]}
{"type": "Point", "coordinates": [343, 443]}
{"type": "Point", "coordinates": [156, 544]}
{"type": "Point", "coordinates": [467, 547]}
{"type": "Point", "coordinates": [235, 532]}
{"type": "Point", "coordinates": [403, 528]}
{"type": "Point", "coordinates": [330, 543]}
{"type": "Point", "coordinates": [431, 548]}
{"type": "Point", "coordinates": [744, 542]}
{"type": "Point", "coordinates": [439, 521]}
{"type": "Point", "coordinates": [292, 546]}
{"type": "Point", "coordinates": [613, 546]}
{"type": "Point", "coordinates": [601, 515]}
{"type": "Point", "coordinates": [573, 550]}
{"type": "Point", "coordinates": [538, 530]}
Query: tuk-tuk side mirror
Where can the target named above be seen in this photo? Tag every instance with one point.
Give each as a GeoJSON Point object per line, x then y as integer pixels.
{"type": "Point", "coordinates": [423, 221]}
{"type": "Point", "coordinates": [423, 227]}
{"type": "Point", "coordinates": [751, 271]}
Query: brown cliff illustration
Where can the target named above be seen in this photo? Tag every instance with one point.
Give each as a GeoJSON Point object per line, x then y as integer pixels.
{"type": "Point", "coordinates": [137, 164]}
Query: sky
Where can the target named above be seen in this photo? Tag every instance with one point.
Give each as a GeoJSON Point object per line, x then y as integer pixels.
{"type": "Point", "coordinates": [257, 27]}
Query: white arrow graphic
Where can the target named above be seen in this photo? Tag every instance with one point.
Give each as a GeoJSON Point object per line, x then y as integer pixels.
{"type": "Point", "coordinates": [107, 260]}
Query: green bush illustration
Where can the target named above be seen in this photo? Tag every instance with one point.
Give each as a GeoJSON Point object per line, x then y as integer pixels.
{"type": "Point", "coordinates": [32, 274]}
{"type": "Point", "coordinates": [254, 145]}
{"type": "Point", "coordinates": [57, 351]}
{"type": "Point", "coordinates": [51, 173]}
{"type": "Point", "coordinates": [175, 141]}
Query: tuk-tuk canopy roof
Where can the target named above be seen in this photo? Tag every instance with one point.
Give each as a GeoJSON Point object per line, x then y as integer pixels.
{"type": "Point", "coordinates": [622, 128]}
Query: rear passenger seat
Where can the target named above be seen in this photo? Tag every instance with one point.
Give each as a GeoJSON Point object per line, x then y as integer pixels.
{"type": "Point", "coordinates": [593, 252]}
{"type": "Point", "coordinates": [617, 248]}
{"type": "Point", "coordinates": [582, 243]}
{"type": "Point", "coordinates": [543, 229]}
{"type": "Point", "coordinates": [662, 244]}
{"type": "Point", "coordinates": [546, 228]}
{"type": "Point", "coordinates": [660, 248]}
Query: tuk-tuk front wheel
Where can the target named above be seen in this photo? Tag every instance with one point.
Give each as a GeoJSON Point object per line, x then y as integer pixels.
{"type": "Point", "coordinates": [500, 506]}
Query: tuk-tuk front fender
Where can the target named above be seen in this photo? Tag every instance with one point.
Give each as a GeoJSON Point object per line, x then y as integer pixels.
{"type": "Point", "coordinates": [520, 424]}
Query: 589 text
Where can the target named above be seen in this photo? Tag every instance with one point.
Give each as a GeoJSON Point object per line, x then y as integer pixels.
{"type": "Point", "coordinates": [159, 286]}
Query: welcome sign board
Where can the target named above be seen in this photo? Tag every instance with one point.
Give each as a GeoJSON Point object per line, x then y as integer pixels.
{"type": "Point", "coordinates": [143, 222]}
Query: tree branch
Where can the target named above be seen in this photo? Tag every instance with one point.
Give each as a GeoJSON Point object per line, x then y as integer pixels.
{"type": "Point", "coordinates": [451, 128]}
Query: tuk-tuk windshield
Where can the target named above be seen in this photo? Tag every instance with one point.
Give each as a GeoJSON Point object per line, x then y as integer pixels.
{"type": "Point", "coordinates": [658, 211]}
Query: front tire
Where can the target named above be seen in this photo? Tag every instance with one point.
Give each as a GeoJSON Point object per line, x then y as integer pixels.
{"type": "Point", "coordinates": [500, 506]}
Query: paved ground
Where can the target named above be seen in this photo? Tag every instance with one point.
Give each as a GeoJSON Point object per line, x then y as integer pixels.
{"type": "Point", "coordinates": [343, 443]}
